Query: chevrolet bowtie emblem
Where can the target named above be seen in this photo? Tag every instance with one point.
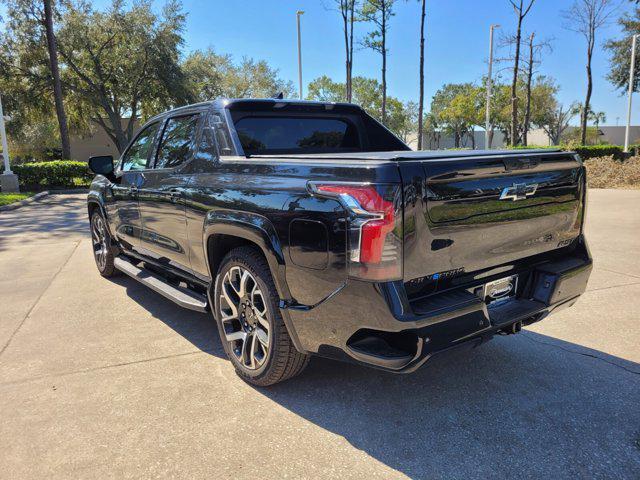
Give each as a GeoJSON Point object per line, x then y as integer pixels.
{"type": "Point", "coordinates": [518, 191]}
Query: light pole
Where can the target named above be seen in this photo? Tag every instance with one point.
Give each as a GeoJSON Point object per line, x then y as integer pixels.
{"type": "Point", "coordinates": [298, 13]}
{"type": "Point", "coordinates": [631, 75]}
{"type": "Point", "coordinates": [8, 180]}
{"type": "Point", "coordinates": [487, 125]}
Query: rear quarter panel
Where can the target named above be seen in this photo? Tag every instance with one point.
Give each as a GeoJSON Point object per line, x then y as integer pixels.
{"type": "Point", "coordinates": [309, 231]}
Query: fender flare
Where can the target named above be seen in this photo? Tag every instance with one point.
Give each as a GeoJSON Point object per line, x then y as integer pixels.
{"type": "Point", "coordinates": [95, 198]}
{"type": "Point", "coordinates": [254, 228]}
{"type": "Point", "coordinates": [261, 232]}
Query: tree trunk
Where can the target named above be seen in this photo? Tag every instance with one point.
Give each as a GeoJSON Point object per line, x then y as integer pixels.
{"type": "Point", "coordinates": [346, 10]}
{"type": "Point", "coordinates": [514, 82]}
{"type": "Point", "coordinates": [384, 61]}
{"type": "Point", "coordinates": [491, 131]}
{"type": "Point", "coordinates": [587, 101]}
{"type": "Point", "coordinates": [421, 100]}
{"type": "Point", "coordinates": [527, 112]}
{"type": "Point", "coordinates": [352, 6]}
{"type": "Point", "coordinates": [55, 77]}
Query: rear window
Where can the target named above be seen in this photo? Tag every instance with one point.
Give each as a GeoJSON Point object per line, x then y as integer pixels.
{"type": "Point", "coordinates": [265, 135]}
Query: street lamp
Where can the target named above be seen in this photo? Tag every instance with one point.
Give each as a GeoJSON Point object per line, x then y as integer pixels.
{"type": "Point", "coordinates": [631, 75]}
{"type": "Point", "coordinates": [298, 13]}
{"type": "Point", "coordinates": [488, 110]}
{"type": "Point", "coordinates": [8, 180]}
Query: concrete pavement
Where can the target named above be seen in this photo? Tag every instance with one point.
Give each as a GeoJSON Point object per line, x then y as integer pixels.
{"type": "Point", "coordinates": [105, 379]}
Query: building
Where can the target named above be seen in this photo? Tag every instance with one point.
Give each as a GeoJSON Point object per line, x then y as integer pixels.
{"type": "Point", "coordinates": [96, 142]}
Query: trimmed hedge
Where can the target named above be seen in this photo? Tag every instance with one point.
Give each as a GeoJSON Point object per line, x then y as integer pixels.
{"type": "Point", "coordinates": [59, 173]}
{"type": "Point", "coordinates": [587, 151]}
{"type": "Point", "coordinates": [594, 151]}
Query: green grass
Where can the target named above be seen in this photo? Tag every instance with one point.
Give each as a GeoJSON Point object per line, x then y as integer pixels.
{"type": "Point", "coordinates": [7, 198]}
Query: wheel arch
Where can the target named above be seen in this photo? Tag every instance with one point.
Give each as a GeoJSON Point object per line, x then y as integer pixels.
{"type": "Point", "coordinates": [224, 231]}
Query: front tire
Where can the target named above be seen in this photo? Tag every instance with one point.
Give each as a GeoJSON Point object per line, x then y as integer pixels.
{"type": "Point", "coordinates": [101, 242]}
{"type": "Point", "coordinates": [251, 327]}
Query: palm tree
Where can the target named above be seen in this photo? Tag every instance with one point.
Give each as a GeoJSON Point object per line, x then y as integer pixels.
{"type": "Point", "coordinates": [597, 118]}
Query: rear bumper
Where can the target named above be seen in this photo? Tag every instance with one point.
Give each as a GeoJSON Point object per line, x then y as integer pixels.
{"type": "Point", "coordinates": [379, 326]}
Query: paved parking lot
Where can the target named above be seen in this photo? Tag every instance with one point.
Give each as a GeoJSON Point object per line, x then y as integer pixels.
{"type": "Point", "coordinates": [105, 379]}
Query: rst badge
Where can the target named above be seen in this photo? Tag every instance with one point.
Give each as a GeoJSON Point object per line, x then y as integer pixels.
{"type": "Point", "coordinates": [518, 191]}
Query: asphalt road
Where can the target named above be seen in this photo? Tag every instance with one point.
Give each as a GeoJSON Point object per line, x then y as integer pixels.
{"type": "Point", "coordinates": [105, 379]}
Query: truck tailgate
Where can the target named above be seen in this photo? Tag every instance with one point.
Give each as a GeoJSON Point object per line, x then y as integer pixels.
{"type": "Point", "coordinates": [470, 214]}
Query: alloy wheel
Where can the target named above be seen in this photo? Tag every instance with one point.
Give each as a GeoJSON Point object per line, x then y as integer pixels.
{"type": "Point", "coordinates": [243, 311]}
{"type": "Point", "coordinates": [99, 241]}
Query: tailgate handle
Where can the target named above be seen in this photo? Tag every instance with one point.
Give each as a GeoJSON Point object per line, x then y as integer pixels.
{"type": "Point", "coordinates": [520, 163]}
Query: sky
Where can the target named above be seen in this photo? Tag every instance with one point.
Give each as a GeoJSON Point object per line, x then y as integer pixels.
{"type": "Point", "coordinates": [456, 48]}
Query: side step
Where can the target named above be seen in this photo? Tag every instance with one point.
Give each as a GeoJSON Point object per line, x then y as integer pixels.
{"type": "Point", "coordinates": [182, 296]}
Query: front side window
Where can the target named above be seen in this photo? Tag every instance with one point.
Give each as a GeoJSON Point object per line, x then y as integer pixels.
{"type": "Point", "coordinates": [177, 141]}
{"type": "Point", "coordinates": [137, 156]}
{"type": "Point", "coordinates": [265, 135]}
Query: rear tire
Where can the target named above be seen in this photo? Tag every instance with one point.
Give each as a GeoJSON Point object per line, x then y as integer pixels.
{"type": "Point", "coordinates": [103, 252]}
{"type": "Point", "coordinates": [251, 326]}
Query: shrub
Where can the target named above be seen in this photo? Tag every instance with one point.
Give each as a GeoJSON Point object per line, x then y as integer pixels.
{"type": "Point", "coordinates": [594, 151]}
{"type": "Point", "coordinates": [536, 147]}
{"type": "Point", "coordinates": [59, 173]}
{"type": "Point", "coordinates": [609, 173]}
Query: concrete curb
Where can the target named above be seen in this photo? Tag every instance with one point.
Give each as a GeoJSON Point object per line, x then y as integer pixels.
{"type": "Point", "coordinates": [24, 202]}
{"type": "Point", "coordinates": [68, 191]}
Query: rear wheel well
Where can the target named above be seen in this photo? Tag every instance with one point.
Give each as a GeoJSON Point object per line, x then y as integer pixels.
{"type": "Point", "coordinates": [219, 245]}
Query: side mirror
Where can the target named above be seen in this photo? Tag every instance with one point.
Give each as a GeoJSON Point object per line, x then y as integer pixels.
{"type": "Point", "coordinates": [101, 165]}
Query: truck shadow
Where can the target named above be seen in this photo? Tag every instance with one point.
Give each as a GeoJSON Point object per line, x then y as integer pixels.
{"type": "Point", "coordinates": [526, 404]}
{"type": "Point", "coordinates": [198, 328]}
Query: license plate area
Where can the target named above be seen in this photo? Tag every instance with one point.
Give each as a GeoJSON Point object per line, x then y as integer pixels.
{"type": "Point", "coordinates": [500, 291]}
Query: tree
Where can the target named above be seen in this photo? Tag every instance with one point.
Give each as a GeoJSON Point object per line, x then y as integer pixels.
{"type": "Point", "coordinates": [367, 92]}
{"type": "Point", "coordinates": [402, 118]}
{"type": "Point", "coordinates": [541, 94]}
{"type": "Point", "coordinates": [30, 26]}
{"type": "Point", "coordinates": [620, 53]}
{"type": "Point", "coordinates": [535, 52]}
{"type": "Point", "coordinates": [421, 99]}
{"type": "Point", "coordinates": [378, 12]}
{"type": "Point", "coordinates": [586, 17]}
{"type": "Point", "coordinates": [347, 10]}
{"type": "Point", "coordinates": [555, 122]}
{"type": "Point", "coordinates": [123, 63]}
{"type": "Point", "coordinates": [209, 75]}
{"type": "Point", "coordinates": [457, 109]}
{"type": "Point", "coordinates": [55, 77]}
{"type": "Point", "coordinates": [323, 89]}
{"type": "Point", "coordinates": [431, 130]}
{"type": "Point", "coordinates": [521, 10]}
{"type": "Point", "coordinates": [597, 118]}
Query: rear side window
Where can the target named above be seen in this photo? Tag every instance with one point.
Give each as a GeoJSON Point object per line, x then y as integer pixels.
{"type": "Point", "coordinates": [137, 156]}
{"type": "Point", "coordinates": [177, 141]}
{"type": "Point", "coordinates": [265, 135]}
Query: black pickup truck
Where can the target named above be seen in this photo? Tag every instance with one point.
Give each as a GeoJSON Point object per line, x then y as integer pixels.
{"type": "Point", "coordinates": [308, 228]}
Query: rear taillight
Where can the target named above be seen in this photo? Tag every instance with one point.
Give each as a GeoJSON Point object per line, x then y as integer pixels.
{"type": "Point", "coordinates": [375, 227]}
